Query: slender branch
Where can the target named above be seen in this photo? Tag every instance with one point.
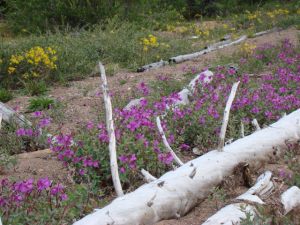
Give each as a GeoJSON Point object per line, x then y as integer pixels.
{"type": "Point", "coordinates": [148, 177]}
{"type": "Point", "coordinates": [165, 141]}
{"type": "Point", "coordinates": [242, 129]}
{"type": "Point", "coordinates": [111, 134]}
{"type": "Point", "coordinates": [0, 120]}
{"type": "Point", "coordinates": [226, 115]}
{"type": "Point", "coordinates": [256, 124]}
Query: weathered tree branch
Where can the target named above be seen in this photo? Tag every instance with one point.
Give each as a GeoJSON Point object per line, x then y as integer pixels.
{"type": "Point", "coordinates": [166, 143]}
{"type": "Point", "coordinates": [111, 134]}
{"type": "Point", "coordinates": [226, 115]}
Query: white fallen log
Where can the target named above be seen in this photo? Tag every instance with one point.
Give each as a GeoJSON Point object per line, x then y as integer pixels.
{"type": "Point", "coordinates": [154, 65]}
{"type": "Point", "coordinates": [255, 124]}
{"type": "Point", "coordinates": [111, 134]}
{"type": "Point", "coordinates": [202, 78]}
{"type": "Point", "coordinates": [186, 57]}
{"type": "Point", "coordinates": [290, 199]}
{"type": "Point", "coordinates": [226, 43]}
{"type": "Point", "coordinates": [265, 32]}
{"type": "Point", "coordinates": [226, 115]}
{"type": "Point", "coordinates": [216, 45]}
{"type": "Point", "coordinates": [148, 177]}
{"type": "Point", "coordinates": [134, 102]}
{"type": "Point", "coordinates": [239, 40]}
{"type": "Point", "coordinates": [212, 47]}
{"type": "Point", "coordinates": [177, 192]}
{"type": "Point", "coordinates": [9, 115]}
{"type": "Point", "coordinates": [234, 213]}
{"type": "Point", "coordinates": [184, 94]}
{"type": "Point", "coordinates": [166, 143]}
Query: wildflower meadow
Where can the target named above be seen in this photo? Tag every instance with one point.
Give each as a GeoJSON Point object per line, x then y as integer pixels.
{"type": "Point", "coordinates": [44, 62]}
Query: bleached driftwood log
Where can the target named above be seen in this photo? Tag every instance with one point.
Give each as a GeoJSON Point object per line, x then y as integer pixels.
{"type": "Point", "coordinates": [239, 40]}
{"type": "Point", "coordinates": [133, 102]}
{"type": "Point", "coordinates": [111, 134]}
{"type": "Point", "coordinates": [226, 43]}
{"type": "Point", "coordinates": [201, 78]}
{"type": "Point", "coordinates": [265, 32]}
{"type": "Point", "coordinates": [154, 65]}
{"type": "Point", "coordinates": [212, 47]}
{"type": "Point", "coordinates": [166, 143]}
{"type": "Point", "coordinates": [234, 213]}
{"type": "Point", "coordinates": [218, 44]}
{"type": "Point", "coordinates": [226, 115]}
{"type": "Point", "coordinates": [186, 57]}
{"type": "Point", "coordinates": [176, 192]}
{"type": "Point", "coordinates": [9, 115]}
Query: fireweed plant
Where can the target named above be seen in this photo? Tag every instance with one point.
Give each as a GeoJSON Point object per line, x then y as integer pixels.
{"type": "Point", "coordinates": [264, 96]}
{"type": "Point", "coordinates": [31, 201]}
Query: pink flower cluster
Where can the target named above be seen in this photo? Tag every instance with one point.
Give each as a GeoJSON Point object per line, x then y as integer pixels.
{"type": "Point", "coordinates": [21, 193]}
{"type": "Point", "coordinates": [65, 147]}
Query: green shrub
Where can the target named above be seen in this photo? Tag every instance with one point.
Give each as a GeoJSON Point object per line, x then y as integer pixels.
{"type": "Point", "coordinates": [40, 103]}
{"type": "Point", "coordinates": [5, 95]}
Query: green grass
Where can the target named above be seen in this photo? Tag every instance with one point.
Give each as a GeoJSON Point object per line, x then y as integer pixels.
{"type": "Point", "coordinates": [118, 44]}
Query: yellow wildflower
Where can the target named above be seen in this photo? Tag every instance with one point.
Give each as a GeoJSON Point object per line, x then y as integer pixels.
{"type": "Point", "coordinates": [11, 70]}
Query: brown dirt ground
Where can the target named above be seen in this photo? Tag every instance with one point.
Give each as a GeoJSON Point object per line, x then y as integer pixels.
{"type": "Point", "coordinates": [82, 102]}
{"type": "Point", "coordinates": [36, 165]}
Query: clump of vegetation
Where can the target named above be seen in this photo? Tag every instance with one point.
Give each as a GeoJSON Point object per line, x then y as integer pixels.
{"type": "Point", "coordinates": [5, 95]}
{"type": "Point", "coordinates": [40, 103]}
{"type": "Point", "coordinates": [40, 201]}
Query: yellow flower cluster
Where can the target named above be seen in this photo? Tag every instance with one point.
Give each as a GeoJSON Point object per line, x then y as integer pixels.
{"type": "Point", "coordinates": [247, 48]}
{"type": "Point", "coordinates": [32, 63]}
{"type": "Point", "coordinates": [37, 55]}
{"type": "Point", "coordinates": [277, 12]}
{"type": "Point", "coordinates": [202, 32]}
{"type": "Point", "coordinates": [253, 16]}
{"type": "Point", "coordinates": [150, 41]}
